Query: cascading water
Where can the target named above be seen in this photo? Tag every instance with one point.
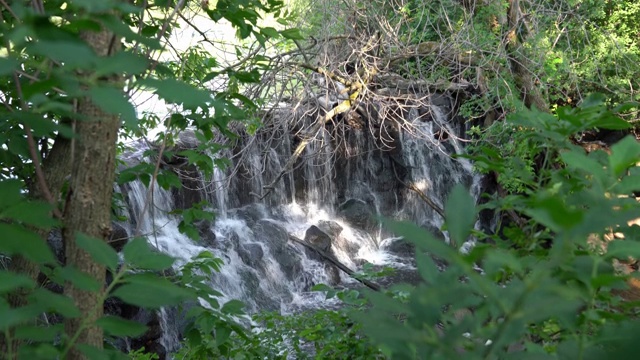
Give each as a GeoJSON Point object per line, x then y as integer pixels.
{"type": "Point", "coordinates": [337, 193]}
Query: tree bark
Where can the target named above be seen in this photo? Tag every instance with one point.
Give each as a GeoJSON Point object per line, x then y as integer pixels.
{"type": "Point", "coordinates": [88, 208]}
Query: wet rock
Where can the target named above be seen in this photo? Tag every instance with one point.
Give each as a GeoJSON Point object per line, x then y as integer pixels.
{"type": "Point", "coordinates": [277, 238]}
{"type": "Point", "coordinates": [251, 254]}
{"type": "Point", "coordinates": [333, 273]}
{"type": "Point", "coordinates": [249, 213]}
{"type": "Point", "coordinates": [207, 236]}
{"type": "Point", "coordinates": [332, 228]}
{"type": "Point", "coordinates": [401, 248]}
{"type": "Point", "coordinates": [318, 238]}
{"type": "Point", "coordinates": [357, 213]}
{"type": "Point", "coordinates": [119, 237]}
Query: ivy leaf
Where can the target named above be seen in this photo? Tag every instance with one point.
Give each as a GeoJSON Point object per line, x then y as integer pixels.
{"type": "Point", "coordinates": [99, 250]}
{"type": "Point", "coordinates": [117, 326]}
{"type": "Point", "coordinates": [139, 254]}
{"type": "Point", "coordinates": [113, 101]}
{"type": "Point", "coordinates": [460, 213]}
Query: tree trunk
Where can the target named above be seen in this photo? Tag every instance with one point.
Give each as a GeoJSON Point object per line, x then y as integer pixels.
{"type": "Point", "coordinates": [88, 209]}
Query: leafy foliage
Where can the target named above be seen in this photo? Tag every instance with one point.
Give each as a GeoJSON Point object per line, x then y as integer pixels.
{"type": "Point", "coordinates": [547, 289]}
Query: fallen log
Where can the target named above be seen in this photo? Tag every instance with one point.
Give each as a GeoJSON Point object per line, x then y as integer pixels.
{"type": "Point", "coordinates": [335, 262]}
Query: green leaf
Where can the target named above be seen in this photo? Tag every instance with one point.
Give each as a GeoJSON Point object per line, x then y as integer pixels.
{"type": "Point", "coordinates": [623, 249]}
{"type": "Point", "coordinates": [117, 326]}
{"type": "Point", "coordinates": [8, 66]}
{"type": "Point", "coordinates": [99, 250]}
{"type": "Point", "coordinates": [178, 92]}
{"type": "Point", "coordinates": [554, 213]}
{"type": "Point", "coordinates": [10, 281]}
{"type": "Point", "coordinates": [40, 351]}
{"type": "Point", "coordinates": [460, 213]}
{"type": "Point", "coordinates": [427, 267]}
{"type": "Point", "coordinates": [233, 307]}
{"type": "Point", "coordinates": [10, 192]}
{"type": "Point", "coordinates": [74, 54]}
{"type": "Point", "coordinates": [78, 278]}
{"type": "Point", "coordinates": [624, 154]}
{"type": "Point", "coordinates": [51, 302]}
{"type": "Point", "coordinates": [123, 62]}
{"type": "Point", "coordinates": [113, 101]}
{"type": "Point", "coordinates": [151, 291]}
{"type": "Point", "coordinates": [18, 240]}
{"type": "Point", "coordinates": [577, 160]}
{"type": "Point", "coordinates": [139, 254]}
{"type": "Point", "coordinates": [270, 32]}
{"type": "Point", "coordinates": [168, 180]}
{"type": "Point", "coordinates": [14, 316]}
{"type": "Point", "coordinates": [39, 333]}
{"type": "Point", "coordinates": [37, 214]}
{"type": "Point", "coordinates": [611, 122]}
{"type": "Point", "coordinates": [292, 34]}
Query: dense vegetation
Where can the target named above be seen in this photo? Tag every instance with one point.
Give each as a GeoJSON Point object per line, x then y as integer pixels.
{"type": "Point", "coordinates": [554, 280]}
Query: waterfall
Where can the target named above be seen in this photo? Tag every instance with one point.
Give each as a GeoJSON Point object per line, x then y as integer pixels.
{"type": "Point", "coordinates": [333, 186]}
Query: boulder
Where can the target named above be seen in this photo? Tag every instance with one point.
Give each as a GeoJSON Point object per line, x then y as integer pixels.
{"type": "Point", "coordinates": [358, 214]}
{"type": "Point", "coordinates": [332, 228]}
{"type": "Point", "coordinates": [318, 238]}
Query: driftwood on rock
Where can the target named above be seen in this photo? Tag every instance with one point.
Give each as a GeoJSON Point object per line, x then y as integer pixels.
{"type": "Point", "coordinates": [335, 262]}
